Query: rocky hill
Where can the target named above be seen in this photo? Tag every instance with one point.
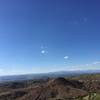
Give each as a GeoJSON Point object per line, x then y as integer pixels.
{"type": "Point", "coordinates": [51, 89]}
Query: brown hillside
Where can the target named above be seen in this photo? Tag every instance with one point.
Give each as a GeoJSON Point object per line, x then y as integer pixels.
{"type": "Point", "coordinates": [59, 88]}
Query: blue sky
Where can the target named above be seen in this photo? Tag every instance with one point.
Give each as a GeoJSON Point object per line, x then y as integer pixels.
{"type": "Point", "coordinates": [38, 36]}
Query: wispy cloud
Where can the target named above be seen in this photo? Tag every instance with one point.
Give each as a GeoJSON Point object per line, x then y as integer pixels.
{"type": "Point", "coordinates": [97, 62]}
{"type": "Point", "coordinates": [66, 57]}
{"type": "Point", "coordinates": [43, 47]}
{"type": "Point", "coordinates": [79, 21]}
{"type": "Point", "coordinates": [94, 65]}
{"type": "Point", "coordinates": [55, 68]}
{"type": "Point", "coordinates": [1, 70]}
{"type": "Point", "coordinates": [85, 19]}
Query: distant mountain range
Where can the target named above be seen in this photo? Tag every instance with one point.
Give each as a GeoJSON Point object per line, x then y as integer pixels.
{"type": "Point", "coordinates": [46, 75]}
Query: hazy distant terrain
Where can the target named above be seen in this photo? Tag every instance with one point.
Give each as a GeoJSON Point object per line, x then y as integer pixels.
{"type": "Point", "coordinates": [79, 87]}
{"type": "Point", "coordinates": [46, 75]}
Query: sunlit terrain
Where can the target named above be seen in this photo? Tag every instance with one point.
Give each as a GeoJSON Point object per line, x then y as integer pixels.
{"type": "Point", "coordinates": [81, 87]}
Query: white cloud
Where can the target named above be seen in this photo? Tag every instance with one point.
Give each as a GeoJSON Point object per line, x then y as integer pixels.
{"type": "Point", "coordinates": [66, 57]}
{"type": "Point", "coordinates": [44, 52]}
